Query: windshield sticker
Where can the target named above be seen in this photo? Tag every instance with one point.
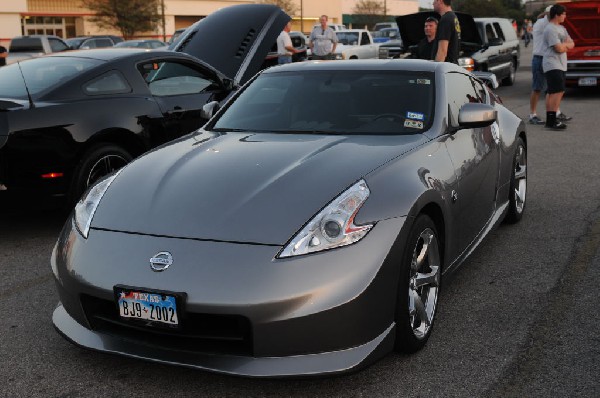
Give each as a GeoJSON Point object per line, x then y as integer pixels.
{"type": "Point", "coordinates": [415, 115]}
{"type": "Point", "coordinates": [413, 124]}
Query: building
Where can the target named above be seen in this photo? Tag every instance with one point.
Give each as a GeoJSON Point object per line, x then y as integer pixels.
{"type": "Point", "coordinates": [67, 18]}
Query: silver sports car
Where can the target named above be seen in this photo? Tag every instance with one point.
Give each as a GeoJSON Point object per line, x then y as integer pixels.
{"type": "Point", "coordinates": [305, 229]}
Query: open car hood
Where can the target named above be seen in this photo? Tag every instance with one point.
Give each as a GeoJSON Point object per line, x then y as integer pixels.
{"type": "Point", "coordinates": [411, 27]}
{"type": "Point", "coordinates": [583, 23]}
{"type": "Point", "coordinates": [234, 40]}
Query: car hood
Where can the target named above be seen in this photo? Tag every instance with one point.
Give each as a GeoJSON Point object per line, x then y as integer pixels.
{"type": "Point", "coordinates": [583, 20]}
{"type": "Point", "coordinates": [234, 40]}
{"type": "Point", "coordinates": [240, 187]}
{"type": "Point", "coordinates": [411, 27]}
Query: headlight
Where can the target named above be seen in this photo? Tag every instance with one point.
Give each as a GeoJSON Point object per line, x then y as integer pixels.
{"type": "Point", "coordinates": [333, 226]}
{"type": "Point", "coordinates": [467, 63]}
{"type": "Point", "coordinates": [339, 56]}
{"type": "Point", "coordinates": [86, 207]}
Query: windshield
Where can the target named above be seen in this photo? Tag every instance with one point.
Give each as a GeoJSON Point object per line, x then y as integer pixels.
{"type": "Point", "coordinates": [44, 73]}
{"type": "Point", "coordinates": [74, 42]}
{"type": "Point", "coordinates": [337, 102]}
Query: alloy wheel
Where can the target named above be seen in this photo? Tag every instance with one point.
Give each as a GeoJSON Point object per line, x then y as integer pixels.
{"type": "Point", "coordinates": [424, 282]}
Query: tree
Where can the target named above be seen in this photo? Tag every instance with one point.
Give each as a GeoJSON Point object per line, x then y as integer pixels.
{"type": "Point", "coordinates": [288, 6]}
{"type": "Point", "coordinates": [369, 12]}
{"type": "Point", "coordinates": [512, 9]}
{"type": "Point", "coordinates": [370, 7]}
{"type": "Point", "coordinates": [127, 16]}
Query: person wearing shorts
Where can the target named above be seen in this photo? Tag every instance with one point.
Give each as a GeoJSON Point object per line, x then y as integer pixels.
{"type": "Point", "coordinates": [538, 82]}
{"type": "Point", "coordinates": [556, 44]}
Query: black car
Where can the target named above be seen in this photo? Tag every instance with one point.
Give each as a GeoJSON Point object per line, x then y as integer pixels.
{"type": "Point", "coordinates": [487, 44]}
{"type": "Point", "coordinates": [68, 119]}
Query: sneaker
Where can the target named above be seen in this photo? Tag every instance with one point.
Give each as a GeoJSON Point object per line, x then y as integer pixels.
{"type": "Point", "coordinates": [563, 118]}
{"type": "Point", "coordinates": [556, 126]}
{"type": "Point", "coordinates": [535, 120]}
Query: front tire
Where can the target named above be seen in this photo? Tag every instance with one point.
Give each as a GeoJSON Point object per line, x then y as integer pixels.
{"type": "Point", "coordinates": [518, 184]}
{"type": "Point", "coordinates": [418, 288]}
{"type": "Point", "coordinates": [98, 161]}
{"type": "Point", "coordinates": [512, 75]}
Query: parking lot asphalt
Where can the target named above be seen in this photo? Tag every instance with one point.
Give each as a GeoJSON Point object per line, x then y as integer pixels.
{"type": "Point", "coordinates": [518, 319]}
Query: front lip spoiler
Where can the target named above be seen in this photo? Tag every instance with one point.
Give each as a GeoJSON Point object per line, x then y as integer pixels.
{"type": "Point", "coordinates": [267, 367]}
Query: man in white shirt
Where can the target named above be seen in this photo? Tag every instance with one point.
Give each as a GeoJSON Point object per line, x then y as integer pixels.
{"type": "Point", "coordinates": [538, 83]}
{"type": "Point", "coordinates": [285, 48]}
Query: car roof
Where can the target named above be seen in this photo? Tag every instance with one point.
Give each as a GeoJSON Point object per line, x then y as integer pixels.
{"type": "Point", "coordinates": [368, 65]}
{"type": "Point", "coordinates": [111, 53]}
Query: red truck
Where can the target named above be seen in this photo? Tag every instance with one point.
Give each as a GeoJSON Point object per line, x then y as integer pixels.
{"type": "Point", "coordinates": [583, 25]}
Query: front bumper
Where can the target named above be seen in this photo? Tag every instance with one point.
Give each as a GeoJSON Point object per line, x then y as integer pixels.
{"type": "Point", "coordinates": [324, 313]}
{"type": "Point", "coordinates": [583, 73]}
{"type": "Point", "coordinates": [309, 364]}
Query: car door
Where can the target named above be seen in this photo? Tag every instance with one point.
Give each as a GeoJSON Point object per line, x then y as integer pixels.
{"type": "Point", "coordinates": [493, 52]}
{"type": "Point", "coordinates": [475, 156]}
{"type": "Point", "coordinates": [180, 89]}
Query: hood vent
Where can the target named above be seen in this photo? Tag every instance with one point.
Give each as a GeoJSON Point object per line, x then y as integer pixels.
{"type": "Point", "coordinates": [243, 49]}
{"type": "Point", "coordinates": [186, 41]}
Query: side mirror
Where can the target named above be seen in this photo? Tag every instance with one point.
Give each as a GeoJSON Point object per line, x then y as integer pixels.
{"type": "Point", "coordinates": [208, 110]}
{"type": "Point", "coordinates": [474, 115]}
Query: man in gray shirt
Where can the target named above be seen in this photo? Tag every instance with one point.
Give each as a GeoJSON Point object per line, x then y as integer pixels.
{"type": "Point", "coordinates": [323, 40]}
{"type": "Point", "coordinates": [556, 44]}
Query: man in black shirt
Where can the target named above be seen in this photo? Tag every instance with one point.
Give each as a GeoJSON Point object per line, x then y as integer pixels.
{"type": "Point", "coordinates": [425, 47]}
{"type": "Point", "coordinates": [447, 38]}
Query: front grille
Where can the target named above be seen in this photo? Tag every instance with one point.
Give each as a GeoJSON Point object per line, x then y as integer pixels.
{"type": "Point", "coordinates": [583, 66]}
{"type": "Point", "coordinates": [201, 333]}
{"type": "Point", "coordinates": [390, 52]}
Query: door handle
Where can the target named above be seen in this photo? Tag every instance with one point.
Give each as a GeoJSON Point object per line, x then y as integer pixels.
{"type": "Point", "coordinates": [176, 111]}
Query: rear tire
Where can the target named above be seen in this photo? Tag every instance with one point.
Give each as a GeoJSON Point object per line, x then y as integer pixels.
{"type": "Point", "coordinates": [518, 184]}
{"type": "Point", "coordinates": [97, 162]}
{"type": "Point", "coordinates": [418, 288]}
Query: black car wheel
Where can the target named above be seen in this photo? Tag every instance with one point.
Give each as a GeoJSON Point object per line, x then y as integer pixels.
{"type": "Point", "coordinates": [418, 289]}
{"type": "Point", "coordinates": [518, 184]}
{"type": "Point", "coordinates": [97, 162]}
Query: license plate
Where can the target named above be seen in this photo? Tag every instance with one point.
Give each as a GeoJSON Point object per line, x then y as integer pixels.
{"type": "Point", "coordinates": [156, 307]}
{"type": "Point", "coordinates": [588, 81]}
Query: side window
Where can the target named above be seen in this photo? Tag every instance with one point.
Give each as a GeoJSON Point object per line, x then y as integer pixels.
{"type": "Point", "coordinates": [364, 39]}
{"type": "Point", "coordinates": [499, 31]}
{"type": "Point", "coordinates": [489, 32]}
{"type": "Point", "coordinates": [57, 45]}
{"type": "Point", "coordinates": [172, 78]}
{"type": "Point", "coordinates": [461, 90]}
{"type": "Point", "coordinates": [109, 83]}
{"type": "Point", "coordinates": [98, 43]}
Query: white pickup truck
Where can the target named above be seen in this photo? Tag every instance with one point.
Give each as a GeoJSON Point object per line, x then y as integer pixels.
{"type": "Point", "coordinates": [25, 47]}
{"type": "Point", "coordinates": [355, 44]}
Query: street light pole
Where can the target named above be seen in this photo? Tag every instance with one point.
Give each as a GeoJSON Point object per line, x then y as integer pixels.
{"type": "Point", "coordinates": [301, 16]}
{"type": "Point", "coordinates": [162, 13]}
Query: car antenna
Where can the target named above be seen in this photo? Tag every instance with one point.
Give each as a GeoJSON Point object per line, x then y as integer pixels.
{"type": "Point", "coordinates": [31, 104]}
